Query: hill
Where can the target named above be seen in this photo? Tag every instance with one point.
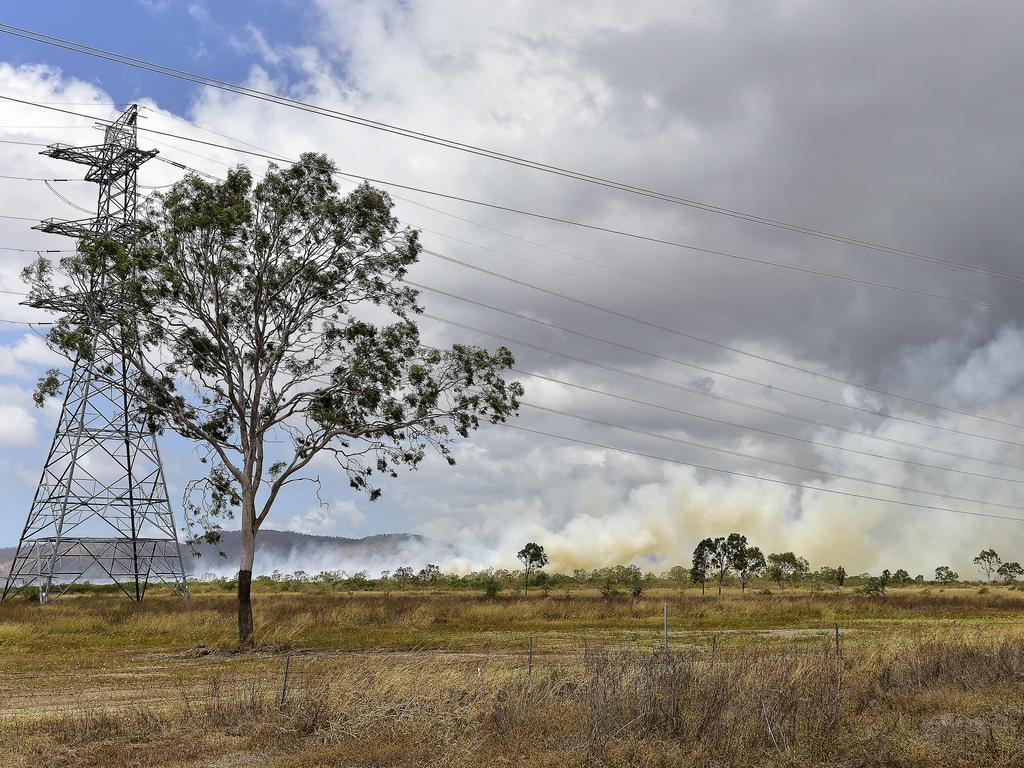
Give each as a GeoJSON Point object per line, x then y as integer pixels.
{"type": "Point", "coordinates": [289, 551]}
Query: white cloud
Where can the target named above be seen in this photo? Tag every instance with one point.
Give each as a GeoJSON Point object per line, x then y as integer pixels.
{"type": "Point", "coordinates": [17, 426]}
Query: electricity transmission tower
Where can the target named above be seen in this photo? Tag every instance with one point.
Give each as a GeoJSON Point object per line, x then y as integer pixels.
{"type": "Point", "coordinates": [101, 509]}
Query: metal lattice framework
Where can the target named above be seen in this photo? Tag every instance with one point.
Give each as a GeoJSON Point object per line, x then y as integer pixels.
{"type": "Point", "coordinates": [101, 509]}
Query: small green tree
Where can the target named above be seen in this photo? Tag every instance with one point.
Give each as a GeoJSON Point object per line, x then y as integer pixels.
{"type": "Point", "coordinates": [946, 575]}
{"type": "Point", "coordinates": [608, 590]}
{"type": "Point", "coordinates": [988, 562]}
{"type": "Point", "coordinates": [1009, 572]}
{"type": "Point", "coordinates": [750, 563]}
{"type": "Point", "coordinates": [875, 586]}
{"type": "Point", "coordinates": [542, 580]}
{"type": "Point", "coordinates": [702, 562]}
{"type": "Point", "coordinates": [721, 560]}
{"type": "Point", "coordinates": [840, 576]}
{"type": "Point", "coordinates": [679, 575]}
{"type": "Point", "coordinates": [785, 568]}
{"type": "Point", "coordinates": [532, 557]}
{"type": "Point", "coordinates": [492, 584]}
{"type": "Point", "coordinates": [428, 575]}
{"type": "Point", "coordinates": [637, 583]}
{"type": "Point", "coordinates": [900, 576]}
{"type": "Point", "coordinates": [403, 576]}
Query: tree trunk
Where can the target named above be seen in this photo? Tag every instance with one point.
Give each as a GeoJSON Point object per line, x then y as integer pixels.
{"type": "Point", "coordinates": [526, 583]}
{"type": "Point", "coordinates": [244, 606]}
{"type": "Point", "coordinates": [245, 575]}
{"type": "Point", "coordinates": [719, 587]}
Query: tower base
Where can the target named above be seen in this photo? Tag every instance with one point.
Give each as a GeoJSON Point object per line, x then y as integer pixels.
{"type": "Point", "coordinates": [55, 565]}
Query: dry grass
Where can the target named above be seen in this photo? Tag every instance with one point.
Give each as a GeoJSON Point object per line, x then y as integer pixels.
{"type": "Point", "coordinates": [925, 680]}
{"type": "Point", "coordinates": [459, 619]}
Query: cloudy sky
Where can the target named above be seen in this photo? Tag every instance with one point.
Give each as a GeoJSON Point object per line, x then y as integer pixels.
{"type": "Point", "coordinates": [896, 124]}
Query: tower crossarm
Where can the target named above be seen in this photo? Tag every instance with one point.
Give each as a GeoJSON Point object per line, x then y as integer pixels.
{"type": "Point", "coordinates": [88, 228]}
{"type": "Point", "coordinates": [104, 165]}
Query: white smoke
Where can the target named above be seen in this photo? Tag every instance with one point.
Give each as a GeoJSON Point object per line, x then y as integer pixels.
{"type": "Point", "coordinates": [590, 507]}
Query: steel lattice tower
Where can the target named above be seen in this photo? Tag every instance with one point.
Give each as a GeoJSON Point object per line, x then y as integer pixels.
{"type": "Point", "coordinates": [101, 509]}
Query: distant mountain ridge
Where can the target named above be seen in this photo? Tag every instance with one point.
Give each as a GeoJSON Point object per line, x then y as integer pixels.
{"type": "Point", "coordinates": [290, 551]}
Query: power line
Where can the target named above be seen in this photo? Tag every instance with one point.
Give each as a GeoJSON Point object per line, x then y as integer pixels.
{"type": "Point", "coordinates": [35, 178]}
{"type": "Point", "coordinates": [66, 200]}
{"type": "Point", "coordinates": [560, 271]}
{"type": "Point", "coordinates": [685, 364]}
{"type": "Point", "coordinates": [777, 462]}
{"type": "Point", "coordinates": [419, 204]}
{"type": "Point", "coordinates": [760, 357]}
{"type": "Point", "coordinates": [209, 82]}
{"type": "Point", "coordinates": [685, 246]}
{"type": "Point", "coordinates": [182, 166]}
{"type": "Point", "coordinates": [24, 143]}
{"type": "Point", "coordinates": [718, 396]}
{"type": "Point", "coordinates": [815, 373]}
{"type": "Point", "coordinates": [762, 430]}
{"type": "Point", "coordinates": [569, 222]}
{"type": "Point", "coordinates": [10, 127]}
{"type": "Point", "coordinates": [757, 458]}
{"type": "Point", "coordinates": [571, 274]}
{"type": "Point", "coordinates": [700, 392]}
{"type": "Point", "coordinates": [735, 473]}
{"type": "Point", "coordinates": [23, 322]}
{"type": "Point", "coordinates": [694, 415]}
{"type": "Point", "coordinates": [37, 250]}
{"type": "Point", "coordinates": [715, 396]}
{"type": "Point", "coordinates": [449, 214]}
{"type": "Point", "coordinates": [736, 350]}
{"type": "Point", "coordinates": [735, 453]}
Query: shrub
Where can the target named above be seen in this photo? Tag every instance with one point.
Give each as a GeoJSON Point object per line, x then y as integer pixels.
{"type": "Point", "coordinates": [874, 588]}
{"type": "Point", "coordinates": [492, 586]}
{"type": "Point", "coordinates": [608, 590]}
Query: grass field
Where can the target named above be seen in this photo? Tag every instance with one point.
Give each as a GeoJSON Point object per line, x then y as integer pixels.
{"type": "Point", "coordinates": [923, 677]}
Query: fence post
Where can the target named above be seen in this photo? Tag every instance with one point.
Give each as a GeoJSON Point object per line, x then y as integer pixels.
{"type": "Point", "coordinates": [529, 668]}
{"type": "Point", "coordinates": [839, 651]}
{"type": "Point", "coordinates": [284, 685]}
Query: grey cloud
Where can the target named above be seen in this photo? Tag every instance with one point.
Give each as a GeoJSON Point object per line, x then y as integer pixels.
{"type": "Point", "coordinates": [895, 123]}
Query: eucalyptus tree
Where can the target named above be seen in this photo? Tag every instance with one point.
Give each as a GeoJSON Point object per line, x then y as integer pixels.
{"type": "Point", "coordinates": [785, 568]}
{"type": "Point", "coordinates": [701, 562]}
{"type": "Point", "coordinates": [269, 322]}
{"type": "Point", "coordinates": [533, 557]}
{"type": "Point", "coordinates": [988, 562]}
{"type": "Point", "coordinates": [1009, 572]}
{"type": "Point", "coordinates": [749, 563]}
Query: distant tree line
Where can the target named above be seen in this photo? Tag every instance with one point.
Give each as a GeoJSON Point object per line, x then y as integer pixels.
{"type": "Point", "coordinates": [723, 561]}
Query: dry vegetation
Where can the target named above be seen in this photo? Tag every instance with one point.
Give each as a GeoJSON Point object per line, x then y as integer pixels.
{"type": "Point", "coordinates": [926, 678]}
